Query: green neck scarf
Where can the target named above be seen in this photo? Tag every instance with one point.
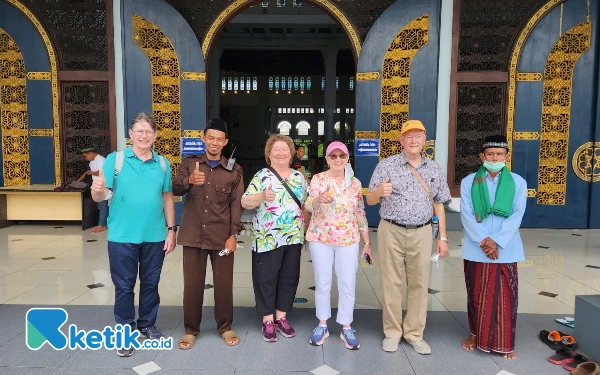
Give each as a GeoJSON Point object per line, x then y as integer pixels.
{"type": "Point", "coordinates": [505, 195]}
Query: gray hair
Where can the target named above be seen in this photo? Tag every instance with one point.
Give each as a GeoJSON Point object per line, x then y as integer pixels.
{"type": "Point", "coordinates": [142, 116]}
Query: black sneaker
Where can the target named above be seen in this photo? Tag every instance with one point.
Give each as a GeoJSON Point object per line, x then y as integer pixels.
{"type": "Point", "coordinates": [150, 333]}
{"type": "Point", "coordinates": [125, 352]}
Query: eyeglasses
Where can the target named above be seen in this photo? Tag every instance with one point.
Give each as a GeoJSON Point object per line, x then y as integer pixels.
{"type": "Point", "coordinates": [335, 156]}
{"type": "Point", "coordinates": [139, 133]}
{"type": "Point", "coordinates": [415, 137]}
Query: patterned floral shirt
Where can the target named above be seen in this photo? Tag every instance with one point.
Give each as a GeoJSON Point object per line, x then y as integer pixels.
{"type": "Point", "coordinates": [337, 223]}
{"type": "Point", "coordinates": [409, 203]}
{"type": "Point", "coordinates": [280, 222]}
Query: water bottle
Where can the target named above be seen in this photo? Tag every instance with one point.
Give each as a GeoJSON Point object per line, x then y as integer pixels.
{"type": "Point", "coordinates": [435, 225]}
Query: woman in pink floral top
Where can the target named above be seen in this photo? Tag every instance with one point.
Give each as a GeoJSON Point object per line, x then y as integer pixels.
{"type": "Point", "coordinates": [337, 223]}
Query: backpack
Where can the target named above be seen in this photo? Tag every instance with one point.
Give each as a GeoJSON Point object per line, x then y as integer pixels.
{"type": "Point", "coordinates": [119, 163]}
{"type": "Point", "coordinates": [120, 156]}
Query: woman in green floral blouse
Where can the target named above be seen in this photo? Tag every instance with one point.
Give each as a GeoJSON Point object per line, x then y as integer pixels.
{"type": "Point", "coordinates": [278, 194]}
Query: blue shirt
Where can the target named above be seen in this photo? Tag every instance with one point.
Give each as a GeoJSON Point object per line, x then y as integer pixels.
{"type": "Point", "coordinates": [136, 212]}
{"type": "Point", "coordinates": [504, 231]}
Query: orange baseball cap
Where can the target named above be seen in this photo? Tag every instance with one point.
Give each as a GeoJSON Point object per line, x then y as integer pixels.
{"type": "Point", "coordinates": [412, 125]}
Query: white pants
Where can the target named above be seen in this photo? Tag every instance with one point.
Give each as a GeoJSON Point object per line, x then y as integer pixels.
{"type": "Point", "coordinates": [346, 264]}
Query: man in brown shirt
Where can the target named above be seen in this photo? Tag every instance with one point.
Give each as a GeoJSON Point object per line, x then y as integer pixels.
{"type": "Point", "coordinates": [210, 223]}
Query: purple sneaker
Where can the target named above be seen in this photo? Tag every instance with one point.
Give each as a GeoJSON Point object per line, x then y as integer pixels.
{"type": "Point", "coordinates": [268, 331]}
{"type": "Point", "coordinates": [284, 327]}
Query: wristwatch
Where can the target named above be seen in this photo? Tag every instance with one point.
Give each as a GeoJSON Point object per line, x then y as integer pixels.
{"type": "Point", "coordinates": [173, 228]}
{"type": "Point", "coordinates": [234, 235]}
{"type": "Point", "coordinates": [443, 239]}
{"type": "Point", "coordinates": [367, 243]}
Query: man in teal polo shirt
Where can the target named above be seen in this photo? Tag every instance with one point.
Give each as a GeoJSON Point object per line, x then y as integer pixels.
{"type": "Point", "coordinates": [141, 225]}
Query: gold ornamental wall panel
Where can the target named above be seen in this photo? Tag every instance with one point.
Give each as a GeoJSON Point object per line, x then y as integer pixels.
{"type": "Point", "coordinates": [395, 82]}
{"type": "Point", "coordinates": [193, 133]}
{"type": "Point", "coordinates": [365, 134]}
{"type": "Point", "coordinates": [13, 113]}
{"type": "Point", "coordinates": [367, 76]}
{"type": "Point", "coordinates": [586, 162]}
{"type": "Point", "coordinates": [429, 149]}
{"type": "Point", "coordinates": [166, 93]}
{"type": "Point", "coordinates": [556, 113]}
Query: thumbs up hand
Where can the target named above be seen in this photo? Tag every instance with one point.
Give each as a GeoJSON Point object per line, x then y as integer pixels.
{"type": "Point", "coordinates": [385, 189]}
{"type": "Point", "coordinates": [268, 195]}
{"type": "Point", "coordinates": [197, 177]}
{"type": "Point", "coordinates": [326, 197]}
{"type": "Point", "coordinates": [99, 184]}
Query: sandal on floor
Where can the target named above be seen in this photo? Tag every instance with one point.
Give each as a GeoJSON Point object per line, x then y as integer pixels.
{"type": "Point", "coordinates": [561, 357]}
{"type": "Point", "coordinates": [548, 338]}
{"type": "Point", "coordinates": [227, 336]}
{"type": "Point", "coordinates": [587, 368]}
{"type": "Point", "coordinates": [187, 339]}
{"type": "Point", "coordinates": [576, 361]}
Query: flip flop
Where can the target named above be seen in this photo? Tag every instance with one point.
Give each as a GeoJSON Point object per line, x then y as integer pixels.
{"type": "Point", "coordinates": [576, 361]}
{"type": "Point", "coordinates": [561, 357]}
{"type": "Point", "coordinates": [554, 345]}
{"type": "Point", "coordinates": [569, 322]}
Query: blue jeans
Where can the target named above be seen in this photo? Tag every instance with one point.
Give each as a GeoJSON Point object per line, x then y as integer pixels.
{"type": "Point", "coordinates": [102, 213]}
{"type": "Point", "coordinates": [124, 259]}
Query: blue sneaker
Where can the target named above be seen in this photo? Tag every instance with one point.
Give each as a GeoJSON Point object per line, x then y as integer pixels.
{"type": "Point", "coordinates": [125, 352]}
{"type": "Point", "coordinates": [319, 335]}
{"type": "Point", "coordinates": [349, 339]}
{"type": "Point", "coordinates": [150, 333]}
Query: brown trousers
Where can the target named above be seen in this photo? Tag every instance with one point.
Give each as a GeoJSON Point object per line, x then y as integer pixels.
{"type": "Point", "coordinates": [404, 254]}
{"type": "Point", "coordinates": [194, 276]}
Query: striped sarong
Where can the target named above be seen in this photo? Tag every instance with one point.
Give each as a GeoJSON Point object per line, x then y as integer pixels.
{"type": "Point", "coordinates": [492, 299]}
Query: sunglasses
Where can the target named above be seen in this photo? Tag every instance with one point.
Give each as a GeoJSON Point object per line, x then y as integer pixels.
{"type": "Point", "coordinates": [335, 156]}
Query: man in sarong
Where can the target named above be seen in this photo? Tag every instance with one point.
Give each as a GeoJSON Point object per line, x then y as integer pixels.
{"type": "Point", "coordinates": [491, 208]}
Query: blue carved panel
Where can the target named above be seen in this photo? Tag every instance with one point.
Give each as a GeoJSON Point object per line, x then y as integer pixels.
{"type": "Point", "coordinates": [42, 166]}
{"type": "Point", "coordinates": [576, 209]}
{"type": "Point", "coordinates": [38, 92]}
{"type": "Point", "coordinates": [423, 78]}
{"type": "Point", "coordinates": [26, 36]}
{"type": "Point", "coordinates": [139, 90]}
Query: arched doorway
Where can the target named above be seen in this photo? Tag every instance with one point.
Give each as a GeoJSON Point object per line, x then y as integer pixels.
{"type": "Point", "coordinates": [269, 65]}
{"type": "Point", "coordinates": [240, 5]}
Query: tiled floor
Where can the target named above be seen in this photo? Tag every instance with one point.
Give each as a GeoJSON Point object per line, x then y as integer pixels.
{"type": "Point", "coordinates": [556, 263]}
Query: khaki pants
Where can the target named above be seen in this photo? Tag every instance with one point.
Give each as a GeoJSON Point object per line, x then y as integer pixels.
{"type": "Point", "coordinates": [404, 252]}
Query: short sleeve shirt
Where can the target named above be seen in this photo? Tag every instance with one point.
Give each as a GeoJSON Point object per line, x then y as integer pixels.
{"type": "Point", "coordinates": [136, 212]}
{"type": "Point", "coordinates": [96, 165]}
{"type": "Point", "coordinates": [409, 203]}
{"type": "Point", "coordinates": [280, 222]}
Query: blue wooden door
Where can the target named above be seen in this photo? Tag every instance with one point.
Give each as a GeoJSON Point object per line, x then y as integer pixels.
{"type": "Point", "coordinates": [553, 116]}
{"type": "Point", "coordinates": [396, 80]}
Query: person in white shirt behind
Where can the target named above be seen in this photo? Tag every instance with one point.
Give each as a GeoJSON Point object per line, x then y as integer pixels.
{"type": "Point", "coordinates": [96, 162]}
